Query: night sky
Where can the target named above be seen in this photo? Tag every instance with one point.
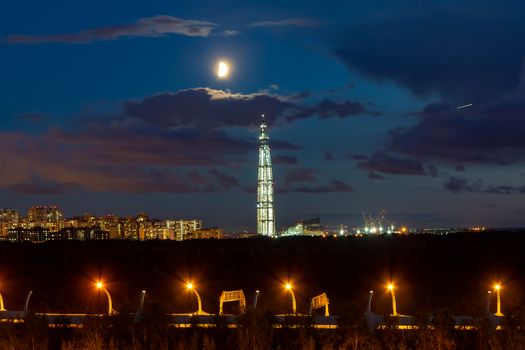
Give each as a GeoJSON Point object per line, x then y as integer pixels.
{"type": "Point", "coordinates": [114, 107]}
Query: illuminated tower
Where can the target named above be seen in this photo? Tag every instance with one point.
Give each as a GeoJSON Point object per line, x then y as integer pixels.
{"type": "Point", "coordinates": [265, 210]}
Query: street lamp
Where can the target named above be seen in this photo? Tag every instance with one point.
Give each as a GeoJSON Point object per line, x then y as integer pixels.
{"type": "Point", "coordinates": [391, 288]}
{"type": "Point", "coordinates": [289, 288]}
{"type": "Point", "coordinates": [497, 288]}
{"type": "Point", "coordinates": [489, 294]}
{"type": "Point", "coordinates": [100, 286]}
{"type": "Point", "coordinates": [190, 286]}
{"type": "Point", "coordinates": [2, 303]}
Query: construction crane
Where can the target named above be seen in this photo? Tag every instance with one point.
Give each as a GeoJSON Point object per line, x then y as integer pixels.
{"type": "Point", "coordinates": [377, 225]}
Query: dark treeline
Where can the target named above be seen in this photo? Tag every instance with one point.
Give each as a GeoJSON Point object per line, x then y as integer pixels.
{"type": "Point", "coordinates": [436, 276]}
{"type": "Point", "coordinates": [431, 272]}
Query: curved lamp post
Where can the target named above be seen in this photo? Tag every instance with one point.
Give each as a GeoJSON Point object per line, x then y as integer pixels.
{"type": "Point", "coordinates": [26, 304]}
{"type": "Point", "coordinates": [289, 288]}
{"type": "Point", "coordinates": [497, 288]}
{"type": "Point", "coordinates": [141, 304]}
{"type": "Point", "coordinates": [369, 304]}
{"type": "Point", "coordinates": [100, 286]}
{"type": "Point", "coordinates": [2, 308]}
{"type": "Point", "coordinates": [391, 288]}
{"type": "Point", "coordinates": [255, 298]}
{"type": "Point", "coordinates": [489, 294]}
{"type": "Point", "coordinates": [191, 287]}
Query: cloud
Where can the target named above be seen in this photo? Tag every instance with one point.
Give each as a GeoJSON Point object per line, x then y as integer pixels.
{"type": "Point", "coordinates": [155, 26]}
{"type": "Point", "coordinates": [299, 175]}
{"type": "Point", "coordinates": [374, 176]}
{"type": "Point", "coordinates": [137, 144]}
{"type": "Point", "coordinates": [459, 167]}
{"type": "Point", "coordinates": [124, 179]}
{"type": "Point", "coordinates": [206, 107]}
{"type": "Point", "coordinates": [332, 186]}
{"type": "Point", "coordinates": [329, 109]}
{"type": "Point", "coordinates": [32, 117]}
{"type": "Point", "coordinates": [229, 32]}
{"type": "Point", "coordinates": [432, 170]}
{"type": "Point", "coordinates": [284, 160]}
{"type": "Point", "coordinates": [461, 56]}
{"type": "Point", "coordinates": [38, 185]}
{"type": "Point", "coordinates": [300, 95]}
{"type": "Point", "coordinates": [172, 142]}
{"type": "Point", "coordinates": [459, 185]}
{"type": "Point", "coordinates": [345, 88]}
{"type": "Point", "coordinates": [486, 133]}
{"type": "Point", "coordinates": [504, 189]}
{"type": "Point", "coordinates": [114, 157]}
{"type": "Point", "coordinates": [328, 156]}
{"type": "Point", "coordinates": [250, 189]}
{"type": "Point", "coordinates": [225, 180]}
{"type": "Point", "coordinates": [290, 22]}
{"type": "Point", "coordinates": [380, 162]}
{"type": "Point", "coordinates": [197, 178]}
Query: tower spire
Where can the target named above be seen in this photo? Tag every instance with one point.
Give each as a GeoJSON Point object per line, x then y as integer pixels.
{"type": "Point", "coordinates": [265, 208]}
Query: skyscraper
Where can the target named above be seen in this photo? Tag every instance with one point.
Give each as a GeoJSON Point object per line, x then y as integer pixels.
{"type": "Point", "coordinates": [265, 209]}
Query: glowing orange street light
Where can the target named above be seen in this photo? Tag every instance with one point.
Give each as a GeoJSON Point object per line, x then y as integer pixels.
{"type": "Point", "coordinates": [191, 287]}
{"type": "Point", "coordinates": [497, 288]}
{"type": "Point", "coordinates": [100, 286]}
{"type": "Point", "coordinates": [289, 288]}
{"type": "Point", "coordinates": [391, 288]}
{"type": "Point", "coordinates": [2, 303]}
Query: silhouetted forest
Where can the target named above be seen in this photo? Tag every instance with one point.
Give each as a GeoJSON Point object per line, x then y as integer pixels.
{"type": "Point", "coordinates": [430, 272]}
{"type": "Point", "coordinates": [447, 275]}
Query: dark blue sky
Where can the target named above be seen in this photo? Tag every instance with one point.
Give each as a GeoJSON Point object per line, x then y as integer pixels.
{"type": "Point", "coordinates": [115, 108]}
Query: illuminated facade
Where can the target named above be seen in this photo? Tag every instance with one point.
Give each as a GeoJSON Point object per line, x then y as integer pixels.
{"type": "Point", "coordinates": [265, 208]}
{"type": "Point", "coordinates": [182, 229]}
{"type": "Point", "coordinates": [207, 233]}
{"type": "Point", "coordinates": [49, 217]}
{"type": "Point", "coordinates": [44, 213]}
{"type": "Point", "coordinates": [36, 234]}
{"type": "Point", "coordinates": [310, 227]}
{"type": "Point", "coordinates": [8, 219]}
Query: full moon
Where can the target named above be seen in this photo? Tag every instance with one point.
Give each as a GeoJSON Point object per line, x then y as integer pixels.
{"type": "Point", "coordinates": [223, 70]}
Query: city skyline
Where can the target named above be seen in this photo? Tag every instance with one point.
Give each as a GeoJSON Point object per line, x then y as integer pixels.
{"type": "Point", "coordinates": [155, 107]}
{"type": "Point", "coordinates": [48, 223]}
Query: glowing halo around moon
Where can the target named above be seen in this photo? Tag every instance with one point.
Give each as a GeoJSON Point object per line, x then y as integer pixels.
{"type": "Point", "coordinates": [222, 70]}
